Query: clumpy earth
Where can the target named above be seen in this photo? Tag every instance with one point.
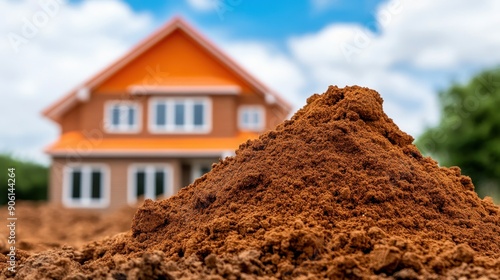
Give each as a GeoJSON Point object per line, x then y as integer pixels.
{"type": "Point", "coordinates": [337, 191]}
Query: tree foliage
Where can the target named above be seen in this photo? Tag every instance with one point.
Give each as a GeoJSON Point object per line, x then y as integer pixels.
{"type": "Point", "coordinates": [468, 134]}
{"type": "Point", "coordinates": [31, 179]}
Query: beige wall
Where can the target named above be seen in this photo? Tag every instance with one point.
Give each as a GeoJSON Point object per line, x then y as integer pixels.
{"type": "Point", "coordinates": [71, 121]}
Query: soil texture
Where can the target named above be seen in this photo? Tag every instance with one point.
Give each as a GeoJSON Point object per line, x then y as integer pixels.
{"type": "Point", "coordinates": [336, 192]}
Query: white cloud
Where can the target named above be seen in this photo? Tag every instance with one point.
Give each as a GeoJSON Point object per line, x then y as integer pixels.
{"type": "Point", "coordinates": [74, 43]}
{"type": "Point", "coordinates": [202, 5]}
{"type": "Point", "coordinates": [270, 66]}
{"type": "Point", "coordinates": [436, 34]}
{"type": "Point", "coordinates": [416, 37]}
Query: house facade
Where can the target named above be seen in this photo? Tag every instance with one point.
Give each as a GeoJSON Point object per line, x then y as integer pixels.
{"type": "Point", "coordinates": [155, 120]}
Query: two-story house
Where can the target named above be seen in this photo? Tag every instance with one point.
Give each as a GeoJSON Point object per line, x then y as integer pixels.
{"type": "Point", "coordinates": [155, 120]}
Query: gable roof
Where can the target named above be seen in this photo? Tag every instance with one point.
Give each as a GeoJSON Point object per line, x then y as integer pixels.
{"type": "Point", "coordinates": [82, 92]}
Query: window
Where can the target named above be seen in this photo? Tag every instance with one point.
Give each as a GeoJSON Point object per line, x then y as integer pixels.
{"type": "Point", "coordinates": [251, 118]}
{"type": "Point", "coordinates": [85, 186]}
{"type": "Point", "coordinates": [123, 117]}
{"type": "Point", "coordinates": [149, 181]}
{"type": "Point", "coordinates": [180, 115]}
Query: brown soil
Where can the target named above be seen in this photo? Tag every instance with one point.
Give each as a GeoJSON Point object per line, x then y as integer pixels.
{"type": "Point", "coordinates": [336, 192]}
{"type": "Point", "coordinates": [42, 226]}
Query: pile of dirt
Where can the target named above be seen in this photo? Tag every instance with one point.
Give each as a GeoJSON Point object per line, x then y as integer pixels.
{"type": "Point", "coordinates": [42, 226]}
{"type": "Point", "coordinates": [338, 191]}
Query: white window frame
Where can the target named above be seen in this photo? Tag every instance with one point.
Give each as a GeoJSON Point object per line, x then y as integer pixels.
{"type": "Point", "coordinates": [85, 201]}
{"type": "Point", "coordinates": [254, 109]}
{"type": "Point", "coordinates": [188, 127]}
{"type": "Point", "coordinates": [149, 188]}
{"type": "Point", "coordinates": [122, 127]}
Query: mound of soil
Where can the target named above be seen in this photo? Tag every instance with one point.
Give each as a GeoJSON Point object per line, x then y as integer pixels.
{"type": "Point", "coordinates": [337, 191]}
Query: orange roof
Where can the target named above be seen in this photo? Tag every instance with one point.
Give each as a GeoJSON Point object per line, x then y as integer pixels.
{"type": "Point", "coordinates": [75, 143]}
{"type": "Point", "coordinates": [192, 81]}
{"type": "Point", "coordinates": [129, 69]}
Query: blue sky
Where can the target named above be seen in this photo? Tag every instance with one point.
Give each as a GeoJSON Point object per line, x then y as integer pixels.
{"type": "Point", "coordinates": [272, 20]}
{"type": "Point", "coordinates": [407, 50]}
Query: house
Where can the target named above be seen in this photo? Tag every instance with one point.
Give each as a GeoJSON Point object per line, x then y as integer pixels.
{"type": "Point", "coordinates": [155, 120]}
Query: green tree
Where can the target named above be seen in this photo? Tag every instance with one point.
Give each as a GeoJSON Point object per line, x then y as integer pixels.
{"type": "Point", "coordinates": [468, 134]}
{"type": "Point", "coordinates": [31, 179]}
